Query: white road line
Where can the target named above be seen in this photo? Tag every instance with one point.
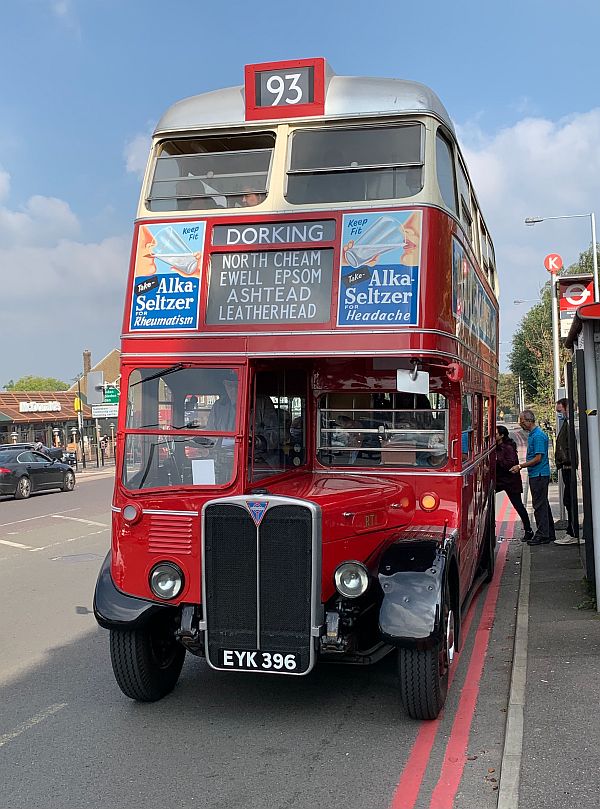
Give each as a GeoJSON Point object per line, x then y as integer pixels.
{"type": "Point", "coordinates": [78, 519]}
{"type": "Point", "coordinates": [40, 517]}
{"type": "Point", "coordinates": [15, 545]}
{"type": "Point", "coordinates": [72, 539]}
{"type": "Point", "coordinates": [30, 723]}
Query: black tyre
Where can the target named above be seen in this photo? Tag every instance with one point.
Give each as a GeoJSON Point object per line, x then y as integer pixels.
{"type": "Point", "coordinates": [488, 560]}
{"type": "Point", "coordinates": [424, 672]}
{"type": "Point", "coordinates": [147, 661]}
{"type": "Point", "coordinates": [23, 490]}
{"type": "Point", "coordinates": [68, 482]}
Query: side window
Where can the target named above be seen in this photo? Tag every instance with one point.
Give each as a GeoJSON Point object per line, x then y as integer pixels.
{"type": "Point", "coordinates": [277, 421]}
{"type": "Point", "coordinates": [466, 216]}
{"type": "Point", "coordinates": [477, 424]}
{"type": "Point", "coordinates": [445, 171]}
{"type": "Point", "coordinates": [486, 422]}
{"type": "Point", "coordinates": [467, 427]}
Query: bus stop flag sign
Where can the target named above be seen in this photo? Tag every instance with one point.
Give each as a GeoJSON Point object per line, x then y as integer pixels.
{"type": "Point", "coordinates": [553, 263]}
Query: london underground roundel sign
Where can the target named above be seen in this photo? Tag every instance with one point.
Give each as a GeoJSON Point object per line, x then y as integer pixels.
{"type": "Point", "coordinates": [553, 263]}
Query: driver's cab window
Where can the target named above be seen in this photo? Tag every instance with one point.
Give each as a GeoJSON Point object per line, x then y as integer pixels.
{"type": "Point", "coordinates": [181, 427]}
{"type": "Point", "coordinates": [277, 423]}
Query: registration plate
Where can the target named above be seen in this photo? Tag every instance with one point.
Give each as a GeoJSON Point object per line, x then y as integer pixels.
{"type": "Point", "coordinates": [258, 661]}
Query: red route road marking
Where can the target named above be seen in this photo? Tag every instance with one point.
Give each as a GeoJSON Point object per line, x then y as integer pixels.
{"type": "Point", "coordinates": [456, 749]}
{"type": "Point", "coordinates": [407, 791]}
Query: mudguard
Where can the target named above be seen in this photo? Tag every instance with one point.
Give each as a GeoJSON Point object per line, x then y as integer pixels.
{"type": "Point", "coordinates": [413, 574]}
{"type": "Point", "coordinates": [114, 609]}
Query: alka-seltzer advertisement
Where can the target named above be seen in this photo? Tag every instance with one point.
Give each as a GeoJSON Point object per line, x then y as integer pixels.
{"type": "Point", "coordinates": [379, 273]}
{"type": "Point", "coordinates": [166, 285]}
{"type": "Point", "coordinates": [271, 286]}
{"type": "Point", "coordinates": [471, 305]}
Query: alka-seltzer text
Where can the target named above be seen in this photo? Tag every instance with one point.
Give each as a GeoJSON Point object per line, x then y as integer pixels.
{"type": "Point", "coordinates": [173, 302]}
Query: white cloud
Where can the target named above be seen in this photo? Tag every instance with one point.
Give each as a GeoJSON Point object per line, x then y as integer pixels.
{"type": "Point", "coordinates": [61, 7]}
{"type": "Point", "coordinates": [70, 291]}
{"type": "Point", "coordinates": [4, 185]}
{"type": "Point", "coordinates": [41, 221]}
{"type": "Point", "coordinates": [537, 167]}
{"type": "Point", "coordinates": [136, 154]}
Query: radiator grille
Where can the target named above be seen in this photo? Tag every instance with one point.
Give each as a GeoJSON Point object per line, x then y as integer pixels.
{"type": "Point", "coordinates": [281, 584]}
{"type": "Point", "coordinates": [170, 533]}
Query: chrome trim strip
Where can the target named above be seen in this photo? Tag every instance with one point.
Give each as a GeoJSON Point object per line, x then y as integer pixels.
{"type": "Point", "coordinates": [115, 509]}
{"type": "Point", "coordinates": [315, 607]}
{"type": "Point", "coordinates": [176, 513]}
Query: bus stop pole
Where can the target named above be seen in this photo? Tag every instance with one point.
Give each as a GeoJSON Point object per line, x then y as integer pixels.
{"type": "Point", "coordinates": [556, 366]}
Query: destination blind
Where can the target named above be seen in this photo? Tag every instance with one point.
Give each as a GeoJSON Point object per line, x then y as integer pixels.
{"type": "Point", "coordinates": [275, 286]}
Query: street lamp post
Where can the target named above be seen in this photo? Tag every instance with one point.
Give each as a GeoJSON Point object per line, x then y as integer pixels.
{"type": "Point", "coordinates": [533, 220]}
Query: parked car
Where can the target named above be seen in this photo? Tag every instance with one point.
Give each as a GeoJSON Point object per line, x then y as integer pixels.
{"type": "Point", "coordinates": [24, 471]}
{"type": "Point", "coordinates": [51, 452]}
{"type": "Point", "coordinates": [69, 457]}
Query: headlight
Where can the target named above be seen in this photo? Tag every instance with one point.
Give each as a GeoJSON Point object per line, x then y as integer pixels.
{"type": "Point", "coordinates": [351, 579]}
{"type": "Point", "coordinates": [166, 580]}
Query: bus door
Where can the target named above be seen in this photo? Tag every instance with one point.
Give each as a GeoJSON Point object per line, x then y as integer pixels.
{"type": "Point", "coordinates": [470, 487]}
{"type": "Point", "coordinates": [277, 421]}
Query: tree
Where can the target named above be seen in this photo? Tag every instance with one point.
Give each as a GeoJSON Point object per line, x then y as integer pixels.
{"type": "Point", "coordinates": [507, 392]}
{"type": "Point", "coordinates": [532, 353]}
{"type": "Point", "coordinates": [46, 383]}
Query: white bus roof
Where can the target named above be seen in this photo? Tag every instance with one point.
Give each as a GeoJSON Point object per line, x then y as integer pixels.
{"type": "Point", "coordinates": [346, 97]}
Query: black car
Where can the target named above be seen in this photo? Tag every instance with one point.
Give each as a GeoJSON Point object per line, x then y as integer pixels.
{"type": "Point", "coordinates": [23, 471]}
{"type": "Point", "coordinates": [51, 452]}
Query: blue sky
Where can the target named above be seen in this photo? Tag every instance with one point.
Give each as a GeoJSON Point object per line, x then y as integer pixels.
{"type": "Point", "coordinates": [83, 83]}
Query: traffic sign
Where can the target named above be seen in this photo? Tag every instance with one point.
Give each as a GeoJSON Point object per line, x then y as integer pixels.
{"type": "Point", "coordinates": [111, 395]}
{"type": "Point", "coordinates": [553, 263]}
{"type": "Point", "coordinates": [573, 292]}
{"type": "Point", "coordinates": [105, 411]}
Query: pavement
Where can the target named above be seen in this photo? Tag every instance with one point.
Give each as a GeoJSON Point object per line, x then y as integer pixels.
{"type": "Point", "coordinates": [93, 472]}
{"type": "Point", "coordinates": [553, 732]}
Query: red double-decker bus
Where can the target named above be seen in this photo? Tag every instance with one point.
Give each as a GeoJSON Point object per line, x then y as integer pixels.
{"type": "Point", "coordinates": [309, 356]}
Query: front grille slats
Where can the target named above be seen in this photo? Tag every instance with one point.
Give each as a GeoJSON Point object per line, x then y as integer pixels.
{"type": "Point", "coordinates": [283, 578]}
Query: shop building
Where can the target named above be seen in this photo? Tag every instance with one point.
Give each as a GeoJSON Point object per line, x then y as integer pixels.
{"type": "Point", "coordinates": [46, 416]}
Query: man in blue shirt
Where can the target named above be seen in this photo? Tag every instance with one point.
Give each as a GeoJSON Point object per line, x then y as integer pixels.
{"type": "Point", "coordinates": [538, 468]}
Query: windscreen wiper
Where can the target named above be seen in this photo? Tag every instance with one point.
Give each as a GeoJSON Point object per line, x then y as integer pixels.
{"type": "Point", "coordinates": [177, 367]}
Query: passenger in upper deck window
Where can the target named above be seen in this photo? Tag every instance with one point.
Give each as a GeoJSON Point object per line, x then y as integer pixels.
{"type": "Point", "coordinates": [250, 198]}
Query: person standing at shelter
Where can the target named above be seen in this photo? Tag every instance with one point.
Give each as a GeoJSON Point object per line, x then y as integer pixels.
{"type": "Point", "coordinates": [562, 457]}
{"type": "Point", "coordinates": [537, 464]}
{"type": "Point", "coordinates": [506, 459]}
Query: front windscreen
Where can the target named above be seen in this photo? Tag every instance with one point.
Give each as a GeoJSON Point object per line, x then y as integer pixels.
{"type": "Point", "coordinates": [383, 429]}
{"type": "Point", "coordinates": [201, 401]}
{"type": "Point", "coordinates": [229, 171]}
{"type": "Point", "coordinates": [357, 163]}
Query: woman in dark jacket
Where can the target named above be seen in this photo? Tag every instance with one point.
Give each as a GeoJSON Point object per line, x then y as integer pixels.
{"type": "Point", "coordinates": [507, 481]}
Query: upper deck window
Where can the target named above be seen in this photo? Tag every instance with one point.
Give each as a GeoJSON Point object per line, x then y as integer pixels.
{"type": "Point", "coordinates": [367, 163]}
{"type": "Point", "coordinates": [445, 171]}
{"type": "Point", "coordinates": [227, 171]}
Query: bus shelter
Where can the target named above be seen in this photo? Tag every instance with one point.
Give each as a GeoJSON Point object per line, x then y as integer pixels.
{"type": "Point", "coordinates": [583, 377]}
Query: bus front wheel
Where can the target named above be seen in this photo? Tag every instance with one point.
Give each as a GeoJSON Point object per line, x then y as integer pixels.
{"type": "Point", "coordinates": [424, 672]}
{"type": "Point", "coordinates": [146, 661]}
